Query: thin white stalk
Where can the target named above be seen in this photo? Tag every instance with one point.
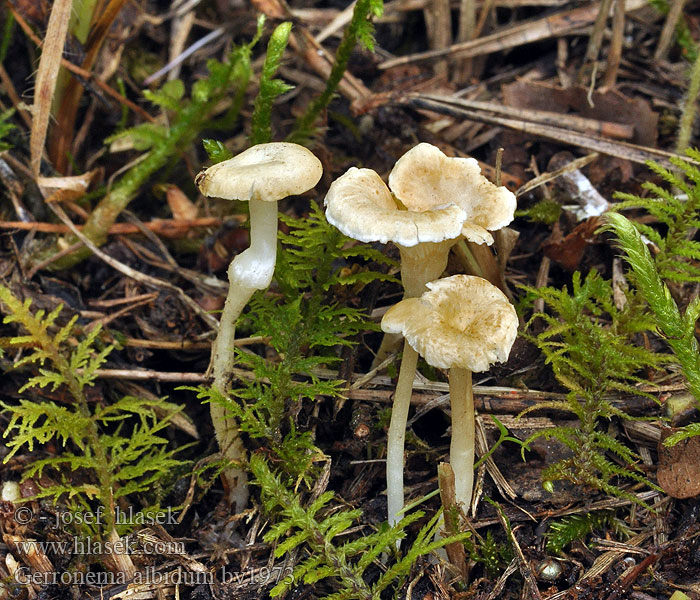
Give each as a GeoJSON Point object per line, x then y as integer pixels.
{"type": "Point", "coordinates": [397, 433]}
{"type": "Point", "coordinates": [462, 444]}
{"type": "Point", "coordinates": [250, 271]}
{"type": "Point", "coordinates": [419, 265]}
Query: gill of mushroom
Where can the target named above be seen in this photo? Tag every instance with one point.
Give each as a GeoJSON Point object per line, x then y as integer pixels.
{"type": "Point", "coordinates": [261, 175]}
{"type": "Point", "coordinates": [465, 324]}
{"type": "Point", "coordinates": [436, 201]}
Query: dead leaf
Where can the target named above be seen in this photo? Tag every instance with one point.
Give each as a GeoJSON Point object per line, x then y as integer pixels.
{"type": "Point", "coordinates": [568, 251]}
{"type": "Point", "coordinates": [607, 106]}
{"type": "Point", "coordinates": [679, 466]}
{"type": "Point", "coordinates": [181, 206]}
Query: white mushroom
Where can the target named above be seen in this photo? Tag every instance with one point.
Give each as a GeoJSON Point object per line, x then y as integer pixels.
{"type": "Point", "coordinates": [436, 200]}
{"type": "Point", "coordinates": [261, 175]}
{"type": "Point", "coordinates": [464, 324]}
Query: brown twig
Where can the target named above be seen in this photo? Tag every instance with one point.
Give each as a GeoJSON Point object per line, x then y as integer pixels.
{"type": "Point", "coordinates": [615, 51]}
{"type": "Point", "coordinates": [595, 40]}
{"type": "Point", "coordinates": [170, 228]}
{"type": "Point", "coordinates": [669, 31]}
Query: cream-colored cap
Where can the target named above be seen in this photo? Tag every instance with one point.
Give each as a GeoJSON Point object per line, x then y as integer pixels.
{"type": "Point", "coordinates": [360, 205]}
{"type": "Point", "coordinates": [424, 178]}
{"type": "Point", "coordinates": [264, 172]}
{"type": "Point", "coordinates": [462, 321]}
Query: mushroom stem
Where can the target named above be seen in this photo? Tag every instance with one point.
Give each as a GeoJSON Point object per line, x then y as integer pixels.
{"type": "Point", "coordinates": [462, 444]}
{"type": "Point", "coordinates": [419, 265]}
{"type": "Point", "coordinates": [422, 263]}
{"type": "Point", "coordinates": [397, 433]}
{"type": "Point", "coordinates": [250, 271]}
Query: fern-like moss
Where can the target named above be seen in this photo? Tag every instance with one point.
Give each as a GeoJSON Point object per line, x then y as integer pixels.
{"type": "Point", "coordinates": [562, 532]}
{"type": "Point", "coordinates": [330, 554]}
{"type": "Point", "coordinates": [588, 344]}
{"type": "Point", "coordinates": [677, 250]}
{"type": "Point", "coordinates": [678, 329]}
{"type": "Point", "coordinates": [113, 461]}
{"type": "Point", "coordinates": [304, 324]}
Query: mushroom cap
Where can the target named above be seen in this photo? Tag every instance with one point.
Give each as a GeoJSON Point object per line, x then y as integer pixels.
{"type": "Point", "coordinates": [425, 178]}
{"type": "Point", "coordinates": [360, 205]}
{"type": "Point", "coordinates": [263, 172]}
{"type": "Point", "coordinates": [462, 321]}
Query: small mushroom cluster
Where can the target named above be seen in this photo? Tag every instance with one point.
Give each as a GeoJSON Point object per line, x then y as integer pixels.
{"type": "Point", "coordinates": [461, 323]}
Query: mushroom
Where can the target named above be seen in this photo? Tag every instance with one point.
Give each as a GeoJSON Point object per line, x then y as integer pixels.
{"type": "Point", "coordinates": [464, 324]}
{"type": "Point", "coordinates": [436, 200]}
{"type": "Point", "coordinates": [261, 175]}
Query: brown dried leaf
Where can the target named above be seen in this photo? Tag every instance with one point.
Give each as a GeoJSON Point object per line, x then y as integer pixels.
{"type": "Point", "coordinates": [569, 250]}
{"type": "Point", "coordinates": [679, 466]}
{"type": "Point", "coordinates": [180, 205]}
{"type": "Point", "coordinates": [610, 106]}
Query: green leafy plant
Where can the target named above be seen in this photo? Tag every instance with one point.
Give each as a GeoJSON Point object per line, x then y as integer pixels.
{"type": "Point", "coordinates": [270, 88]}
{"type": "Point", "coordinates": [108, 450]}
{"type": "Point", "coordinates": [330, 554]}
{"type": "Point", "coordinates": [587, 342]}
{"type": "Point", "coordinates": [493, 555]}
{"type": "Point", "coordinates": [5, 128]}
{"type": "Point", "coordinates": [544, 211]}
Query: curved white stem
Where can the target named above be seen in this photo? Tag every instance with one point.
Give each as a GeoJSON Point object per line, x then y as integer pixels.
{"type": "Point", "coordinates": [462, 443]}
{"type": "Point", "coordinates": [419, 265]}
{"type": "Point", "coordinates": [250, 271]}
{"type": "Point", "coordinates": [397, 433]}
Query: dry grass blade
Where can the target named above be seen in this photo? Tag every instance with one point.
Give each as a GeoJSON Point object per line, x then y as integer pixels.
{"type": "Point", "coordinates": [80, 72]}
{"type": "Point", "coordinates": [622, 131]}
{"type": "Point", "coordinates": [46, 77]}
{"type": "Point", "coordinates": [579, 163]}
